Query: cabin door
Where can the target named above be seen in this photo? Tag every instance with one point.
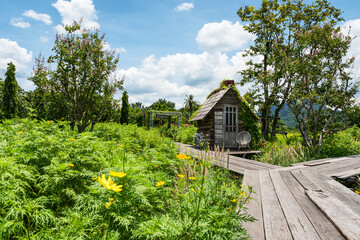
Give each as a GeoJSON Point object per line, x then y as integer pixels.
{"type": "Point", "coordinates": [230, 125]}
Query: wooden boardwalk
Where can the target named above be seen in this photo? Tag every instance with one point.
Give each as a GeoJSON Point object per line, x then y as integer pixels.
{"type": "Point", "coordinates": [299, 202]}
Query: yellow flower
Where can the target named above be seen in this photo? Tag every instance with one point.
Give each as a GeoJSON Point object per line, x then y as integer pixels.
{"type": "Point", "coordinates": [111, 199]}
{"type": "Point", "coordinates": [109, 184]}
{"type": "Point", "coordinates": [107, 204]}
{"type": "Point", "coordinates": [243, 193]}
{"type": "Point", "coordinates": [181, 175]}
{"type": "Point", "coordinates": [20, 132]}
{"type": "Point", "coordinates": [156, 165]}
{"type": "Point", "coordinates": [159, 183]}
{"type": "Point", "coordinates": [192, 189]}
{"type": "Point", "coordinates": [150, 171]}
{"type": "Point", "coordinates": [117, 174]}
{"type": "Point", "coordinates": [122, 146]}
{"type": "Point", "coordinates": [234, 200]}
{"type": "Point", "coordinates": [192, 178]}
{"type": "Point", "coordinates": [182, 156]}
{"type": "Point", "coordinates": [71, 165]}
{"type": "Point", "coordinates": [94, 178]}
{"type": "Point", "coordinates": [356, 191]}
{"type": "Point", "coordinates": [73, 139]}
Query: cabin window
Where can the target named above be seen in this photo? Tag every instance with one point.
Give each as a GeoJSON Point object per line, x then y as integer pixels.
{"type": "Point", "coordinates": [230, 119]}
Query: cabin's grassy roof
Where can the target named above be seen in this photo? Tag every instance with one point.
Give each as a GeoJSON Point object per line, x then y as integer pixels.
{"type": "Point", "coordinates": [214, 97]}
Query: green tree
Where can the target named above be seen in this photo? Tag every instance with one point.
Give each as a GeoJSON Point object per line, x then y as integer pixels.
{"type": "Point", "coordinates": [276, 25]}
{"type": "Point", "coordinates": [10, 93]}
{"type": "Point", "coordinates": [137, 114]}
{"type": "Point", "coordinates": [323, 84]}
{"type": "Point", "coordinates": [84, 75]}
{"type": "Point", "coordinates": [1, 96]}
{"type": "Point", "coordinates": [124, 119]}
{"type": "Point", "coordinates": [190, 105]}
{"type": "Point", "coordinates": [162, 105]}
{"type": "Point", "coordinates": [353, 114]}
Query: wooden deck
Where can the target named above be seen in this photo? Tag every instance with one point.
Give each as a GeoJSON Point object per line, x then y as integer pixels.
{"type": "Point", "coordinates": [299, 202]}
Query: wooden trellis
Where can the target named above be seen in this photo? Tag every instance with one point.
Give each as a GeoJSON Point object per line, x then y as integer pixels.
{"type": "Point", "coordinates": [163, 115]}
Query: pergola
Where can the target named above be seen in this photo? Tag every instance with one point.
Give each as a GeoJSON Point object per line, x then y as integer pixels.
{"type": "Point", "coordinates": [163, 115]}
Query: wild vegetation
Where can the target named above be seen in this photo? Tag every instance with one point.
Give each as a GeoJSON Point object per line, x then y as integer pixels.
{"type": "Point", "coordinates": [69, 170]}
{"type": "Point", "coordinates": [116, 182]}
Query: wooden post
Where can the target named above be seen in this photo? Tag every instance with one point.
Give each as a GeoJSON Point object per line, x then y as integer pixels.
{"type": "Point", "coordinates": [228, 158]}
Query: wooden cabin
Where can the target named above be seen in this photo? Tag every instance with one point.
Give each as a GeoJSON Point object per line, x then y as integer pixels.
{"type": "Point", "coordinates": [218, 117]}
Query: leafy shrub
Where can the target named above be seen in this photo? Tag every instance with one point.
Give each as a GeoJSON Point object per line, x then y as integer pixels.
{"type": "Point", "coordinates": [183, 134]}
{"type": "Point", "coordinates": [52, 186]}
{"type": "Point", "coordinates": [343, 143]}
{"type": "Point", "coordinates": [282, 154]}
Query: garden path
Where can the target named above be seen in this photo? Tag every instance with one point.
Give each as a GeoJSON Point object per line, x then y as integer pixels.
{"type": "Point", "coordinates": [298, 202]}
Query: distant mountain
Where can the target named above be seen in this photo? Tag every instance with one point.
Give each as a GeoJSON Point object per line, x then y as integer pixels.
{"type": "Point", "coordinates": [286, 116]}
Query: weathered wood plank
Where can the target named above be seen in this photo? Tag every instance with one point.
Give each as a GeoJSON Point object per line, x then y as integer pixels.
{"type": "Point", "coordinates": [341, 189]}
{"type": "Point", "coordinates": [342, 216]}
{"type": "Point", "coordinates": [275, 224]}
{"type": "Point", "coordinates": [339, 192]}
{"type": "Point", "coordinates": [325, 160]}
{"type": "Point", "coordinates": [304, 181]}
{"type": "Point", "coordinates": [299, 224]}
{"type": "Point", "coordinates": [255, 229]}
{"type": "Point", "coordinates": [353, 166]}
{"type": "Point", "coordinates": [311, 164]}
{"type": "Point", "coordinates": [347, 174]}
{"type": "Point", "coordinates": [253, 162]}
{"type": "Point", "coordinates": [335, 166]}
{"type": "Point", "coordinates": [322, 225]}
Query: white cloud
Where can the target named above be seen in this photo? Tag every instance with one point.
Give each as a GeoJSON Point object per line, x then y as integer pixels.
{"type": "Point", "coordinates": [121, 50]}
{"type": "Point", "coordinates": [222, 37]}
{"type": "Point", "coordinates": [107, 47]}
{"type": "Point", "coordinates": [175, 76]}
{"type": "Point", "coordinates": [10, 51]}
{"type": "Point", "coordinates": [184, 7]}
{"type": "Point", "coordinates": [354, 51]}
{"type": "Point", "coordinates": [18, 22]}
{"type": "Point", "coordinates": [44, 39]}
{"type": "Point", "coordinates": [38, 16]}
{"type": "Point", "coordinates": [76, 10]}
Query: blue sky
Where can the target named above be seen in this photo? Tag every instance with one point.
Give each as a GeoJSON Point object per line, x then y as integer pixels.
{"type": "Point", "coordinates": [168, 48]}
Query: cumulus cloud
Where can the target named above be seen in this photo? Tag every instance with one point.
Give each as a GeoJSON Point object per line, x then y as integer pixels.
{"type": "Point", "coordinates": [76, 10]}
{"type": "Point", "coordinates": [107, 47]}
{"type": "Point", "coordinates": [38, 16]}
{"type": "Point", "coordinates": [174, 76]}
{"type": "Point", "coordinates": [184, 7]}
{"type": "Point", "coordinates": [18, 22]}
{"type": "Point", "coordinates": [10, 51]}
{"type": "Point", "coordinates": [121, 50]}
{"type": "Point", "coordinates": [352, 27]}
{"type": "Point", "coordinates": [222, 37]}
{"type": "Point", "coordinates": [44, 39]}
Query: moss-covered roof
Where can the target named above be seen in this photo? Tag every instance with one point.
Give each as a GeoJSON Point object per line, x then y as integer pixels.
{"type": "Point", "coordinates": [214, 97]}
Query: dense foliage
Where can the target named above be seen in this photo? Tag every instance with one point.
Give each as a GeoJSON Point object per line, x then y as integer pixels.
{"type": "Point", "coordinates": [10, 93]}
{"type": "Point", "coordinates": [286, 151]}
{"type": "Point", "coordinates": [184, 134]}
{"type": "Point", "coordinates": [302, 64]}
{"type": "Point", "coordinates": [124, 108]}
{"type": "Point", "coordinates": [117, 182]}
{"type": "Point", "coordinates": [83, 84]}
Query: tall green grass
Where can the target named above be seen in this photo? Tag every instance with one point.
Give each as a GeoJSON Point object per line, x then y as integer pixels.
{"type": "Point", "coordinates": [286, 151]}
{"type": "Point", "coordinates": [50, 186]}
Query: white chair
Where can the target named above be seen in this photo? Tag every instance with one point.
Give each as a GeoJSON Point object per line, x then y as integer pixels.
{"type": "Point", "coordinates": [243, 139]}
